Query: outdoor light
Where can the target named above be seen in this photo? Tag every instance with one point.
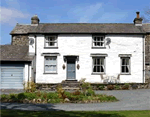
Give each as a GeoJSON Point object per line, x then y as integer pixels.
{"type": "Point", "coordinates": [78, 66]}
{"type": "Point", "coordinates": [63, 66]}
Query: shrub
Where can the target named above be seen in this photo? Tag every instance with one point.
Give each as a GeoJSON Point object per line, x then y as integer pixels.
{"type": "Point", "coordinates": [117, 87]}
{"type": "Point", "coordinates": [52, 96]}
{"type": "Point", "coordinates": [13, 97]}
{"type": "Point", "coordinates": [4, 96]}
{"type": "Point", "coordinates": [77, 92]}
{"type": "Point", "coordinates": [61, 92]}
{"type": "Point", "coordinates": [30, 96]}
{"type": "Point", "coordinates": [21, 96]}
{"type": "Point", "coordinates": [90, 92]}
{"type": "Point", "coordinates": [38, 94]}
{"type": "Point", "coordinates": [101, 87]}
{"type": "Point", "coordinates": [125, 86]}
{"type": "Point", "coordinates": [110, 87]}
{"type": "Point", "coordinates": [31, 87]}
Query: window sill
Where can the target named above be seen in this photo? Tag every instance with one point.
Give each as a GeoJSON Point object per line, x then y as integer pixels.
{"type": "Point", "coordinates": [97, 73]}
{"type": "Point", "coordinates": [50, 73]}
{"type": "Point", "coordinates": [98, 47]}
{"type": "Point", "coordinates": [125, 73]}
{"type": "Point", "coordinates": [50, 47]}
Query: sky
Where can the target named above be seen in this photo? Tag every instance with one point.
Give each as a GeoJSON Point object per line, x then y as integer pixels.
{"type": "Point", "coordinates": [67, 11]}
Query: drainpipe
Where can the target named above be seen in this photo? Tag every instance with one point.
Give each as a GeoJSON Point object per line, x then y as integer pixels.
{"type": "Point", "coordinates": [35, 61]}
{"type": "Point", "coordinates": [143, 58]}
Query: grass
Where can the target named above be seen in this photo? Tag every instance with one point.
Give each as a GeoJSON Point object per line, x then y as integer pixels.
{"type": "Point", "coordinates": [18, 113]}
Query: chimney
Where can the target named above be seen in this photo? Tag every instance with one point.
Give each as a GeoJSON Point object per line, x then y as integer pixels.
{"type": "Point", "coordinates": [35, 20]}
{"type": "Point", "coordinates": [138, 21]}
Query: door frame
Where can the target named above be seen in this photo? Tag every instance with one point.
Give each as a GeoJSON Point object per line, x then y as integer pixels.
{"type": "Point", "coordinates": [67, 69]}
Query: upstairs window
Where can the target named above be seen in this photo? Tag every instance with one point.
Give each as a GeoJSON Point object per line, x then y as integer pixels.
{"type": "Point", "coordinates": [98, 41]}
{"type": "Point", "coordinates": [51, 41]}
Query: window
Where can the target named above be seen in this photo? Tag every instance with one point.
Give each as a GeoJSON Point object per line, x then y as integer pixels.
{"type": "Point", "coordinates": [98, 65]}
{"type": "Point", "coordinates": [50, 41]}
{"type": "Point", "coordinates": [98, 41]}
{"type": "Point", "coordinates": [50, 64]}
{"type": "Point", "coordinates": [125, 65]}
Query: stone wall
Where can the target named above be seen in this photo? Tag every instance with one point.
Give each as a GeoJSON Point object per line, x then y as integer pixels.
{"type": "Point", "coordinates": [147, 57]}
{"type": "Point", "coordinates": [20, 40]}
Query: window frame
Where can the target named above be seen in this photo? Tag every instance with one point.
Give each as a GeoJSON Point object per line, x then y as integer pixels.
{"type": "Point", "coordinates": [50, 72]}
{"type": "Point", "coordinates": [125, 73]}
{"type": "Point", "coordinates": [98, 73]}
{"type": "Point", "coordinates": [95, 47]}
{"type": "Point", "coordinates": [48, 47]}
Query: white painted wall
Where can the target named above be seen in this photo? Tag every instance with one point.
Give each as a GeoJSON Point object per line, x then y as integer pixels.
{"type": "Point", "coordinates": [80, 44]}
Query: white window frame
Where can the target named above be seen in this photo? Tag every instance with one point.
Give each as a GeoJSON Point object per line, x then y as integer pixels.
{"type": "Point", "coordinates": [96, 57]}
{"type": "Point", "coordinates": [129, 65]}
{"type": "Point", "coordinates": [50, 72]}
{"type": "Point", "coordinates": [46, 41]}
{"type": "Point", "coordinates": [98, 41]}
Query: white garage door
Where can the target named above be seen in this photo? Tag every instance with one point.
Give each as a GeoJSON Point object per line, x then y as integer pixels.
{"type": "Point", "coordinates": [12, 76]}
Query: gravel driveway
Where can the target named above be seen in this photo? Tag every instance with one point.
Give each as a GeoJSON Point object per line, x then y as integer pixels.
{"type": "Point", "coordinates": [129, 100]}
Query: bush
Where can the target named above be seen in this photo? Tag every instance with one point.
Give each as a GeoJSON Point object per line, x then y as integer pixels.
{"type": "Point", "coordinates": [90, 92]}
{"type": "Point", "coordinates": [101, 87]}
{"type": "Point", "coordinates": [61, 92]}
{"type": "Point", "coordinates": [30, 96]}
{"type": "Point", "coordinates": [110, 87]}
{"type": "Point", "coordinates": [4, 96]}
{"type": "Point", "coordinates": [52, 96]}
{"type": "Point", "coordinates": [117, 87]}
{"type": "Point", "coordinates": [21, 96]}
{"type": "Point", "coordinates": [31, 87]}
{"type": "Point", "coordinates": [13, 97]}
{"type": "Point", "coordinates": [125, 86]}
{"type": "Point", "coordinates": [77, 92]}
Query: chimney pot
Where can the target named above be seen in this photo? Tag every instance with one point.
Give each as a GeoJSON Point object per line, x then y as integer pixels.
{"type": "Point", "coordinates": [137, 14]}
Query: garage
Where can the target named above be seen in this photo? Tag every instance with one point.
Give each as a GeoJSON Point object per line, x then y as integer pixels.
{"type": "Point", "coordinates": [12, 76]}
{"type": "Point", "coordinates": [15, 67]}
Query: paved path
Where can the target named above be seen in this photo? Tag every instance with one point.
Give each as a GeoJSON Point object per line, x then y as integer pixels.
{"type": "Point", "coordinates": [129, 100]}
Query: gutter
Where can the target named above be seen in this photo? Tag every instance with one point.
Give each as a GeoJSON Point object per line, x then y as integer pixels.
{"type": "Point", "coordinates": [143, 58]}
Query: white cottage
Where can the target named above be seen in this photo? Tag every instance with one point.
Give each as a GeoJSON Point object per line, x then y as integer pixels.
{"type": "Point", "coordinates": [71, 51]}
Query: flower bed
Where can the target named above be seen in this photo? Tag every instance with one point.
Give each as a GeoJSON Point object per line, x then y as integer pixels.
{"type": "Point", "coordinates": [67, 97]}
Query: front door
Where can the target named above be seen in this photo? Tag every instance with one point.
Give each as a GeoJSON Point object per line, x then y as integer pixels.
{"type": "Point", "coordinates": [71, 69]}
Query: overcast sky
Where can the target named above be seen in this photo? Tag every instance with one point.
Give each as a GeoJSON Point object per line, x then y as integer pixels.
{"type": "Point", "coordinates": [67, 11]}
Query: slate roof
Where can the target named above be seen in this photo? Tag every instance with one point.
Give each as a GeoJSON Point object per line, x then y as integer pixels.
{"type": "Point", "coordinates": [146, 27]}
{"type": "Point", "coordinates": [14, 53]}
{"type": "Point", "coordinates": [78, 28]}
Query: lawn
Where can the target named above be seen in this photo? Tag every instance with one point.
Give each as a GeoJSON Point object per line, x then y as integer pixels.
{"type": "Point", "coordinates": [18, 113]}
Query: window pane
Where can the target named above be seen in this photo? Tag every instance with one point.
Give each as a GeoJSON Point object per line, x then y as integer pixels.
{"type": "Point", "coordinates": [123, 69]}
{"type": "Point", "coordinates": [101, 43]}
{"type": "Point", "coordinates": [94, 61]}
{"type": "Point", "coordinates": [123, 61]}
{"type": "Point", "coordinates": [54, 68]}
{"type": "Point", "coordinates": [98, 44]}
{"type": "Point", "coordinates": [98, 68]}
{"type": "Point", "coordinates": [102, 39]}
{"type": "Point", "coordinates": [94, 69]}
{"type": "Point", "coordinates": [127, 69]}
{"type": "Point", "coordinates": [127, 61]}
{"type": "Point", "coordinates": [94, 39]}
{"type": "Point", "coordinates": [98, 38]}
{"type": "Point", "coordinates": [102, 61]}
{"type": "Point", "coordinates": [102, 68]}
{"type": "Point", "coordinates": [98, 61]}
